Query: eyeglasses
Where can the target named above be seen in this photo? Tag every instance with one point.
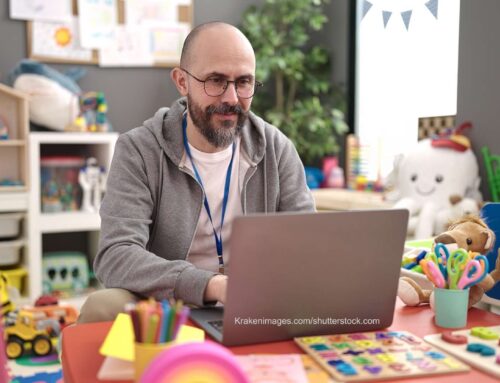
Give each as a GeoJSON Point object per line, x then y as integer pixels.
{"type": "Point", "coordinates": [215, 86]}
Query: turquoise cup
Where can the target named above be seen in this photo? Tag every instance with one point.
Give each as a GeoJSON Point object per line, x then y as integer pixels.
{"type": "Point", "coordinates": [450, 307]}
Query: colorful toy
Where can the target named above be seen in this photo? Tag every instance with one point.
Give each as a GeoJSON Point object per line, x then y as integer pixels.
{"type": "Point", "coordinates": [195, 363]}
{"type": "Point", "coordinates": [36, 328]}
{"type": "Point", "coordinates": [6, 304]}
{"type": "Point", "coordinates": [463, 267]}
{"type": "Point", "coordinates": [92, 179]}
{"type": "Point", "coordinates": [93, 114]}
{"type": "Point", "coordinates": [492, 165]}
{"type": "Point", "coordinates": [64, 271]}
{"type": "Point", "coordinates": [472, 349]}
{"type": "Point", "coordinates": [59, 183]}
{"type": "Point", "coordinates": [53, 95]}
{"type": "Point", "coordinates": [23, 333]}
{"type": "Point", "coordinates": [425, 178]}
{"type": "Point", "coordinates": [333, 175]}
{"type": "Point", "coordinates": [377, 355]}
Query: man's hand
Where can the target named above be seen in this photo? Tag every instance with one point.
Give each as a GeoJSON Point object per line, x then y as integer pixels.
{"type": "Point", "coordinates": [216, 289]}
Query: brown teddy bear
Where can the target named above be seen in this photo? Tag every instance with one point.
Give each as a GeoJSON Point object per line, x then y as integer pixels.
{"type": "Point", "coordinates": [469, 233]}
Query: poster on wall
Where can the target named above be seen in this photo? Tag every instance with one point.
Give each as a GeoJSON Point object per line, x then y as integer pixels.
{"type": "Point", "coordinates": [131, 48]}
{"type": "Point", "coordinates": [114, 33]}
{"type": "Point", "coordinates": [58, 41]}
{"type": "Point", "coordinates": [97, 21]}
{"type": "Point", "coordinates": [167, 41]}
{"type": "Point", "coordinates": [42, 10]}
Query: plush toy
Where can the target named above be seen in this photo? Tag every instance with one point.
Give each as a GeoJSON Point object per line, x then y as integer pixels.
{"type": "Point", "coordinates": [459, 207]}
{"type": "Point", "coordinates": [425, 178]}
{"type": "Point", "coordinates": [53, 95]}
{"type": "Point", "coordinates": [470, 233]}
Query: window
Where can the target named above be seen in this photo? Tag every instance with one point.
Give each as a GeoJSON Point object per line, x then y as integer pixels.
{"type": "Point", "coordinates": [406, 68]}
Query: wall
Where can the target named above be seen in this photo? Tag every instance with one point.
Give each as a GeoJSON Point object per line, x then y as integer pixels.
{"type": "Point", "coordinates": [134, 94]}
{"type": "Point", "coordinates": [478, 76]}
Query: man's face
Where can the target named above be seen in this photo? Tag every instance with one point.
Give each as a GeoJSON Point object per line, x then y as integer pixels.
{"type": "Point", "coordinates": [219, 118]}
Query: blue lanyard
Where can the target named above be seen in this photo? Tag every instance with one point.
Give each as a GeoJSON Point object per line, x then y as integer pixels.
{"type": "Point", "coordinates": [218, 238]}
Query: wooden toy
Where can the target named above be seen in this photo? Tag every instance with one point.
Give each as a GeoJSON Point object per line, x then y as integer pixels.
{"type": "Point", "coordinates": [481, 350]}
{"type": "Point", "coordinates": [378, 355]}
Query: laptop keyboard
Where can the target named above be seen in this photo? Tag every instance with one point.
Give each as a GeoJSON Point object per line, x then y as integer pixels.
{"type": "Point", "coordinates": [217, 324]}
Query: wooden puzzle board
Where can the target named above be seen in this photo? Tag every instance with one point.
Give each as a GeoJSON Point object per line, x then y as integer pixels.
{"type": "Point", "coordinates": [378, 355]}
{"type": "Point", "coordinates": [487, 364]}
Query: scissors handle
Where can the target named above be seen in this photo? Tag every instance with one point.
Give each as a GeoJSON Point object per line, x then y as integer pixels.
{"type": "Point", "coordinates": [456, 266]}
{"type": "Point", "coordinates": [472, 273]}
{"type": "Point", "coordinates": [477, 274]}
{"type": "Point", "coordinates": [432, 272]}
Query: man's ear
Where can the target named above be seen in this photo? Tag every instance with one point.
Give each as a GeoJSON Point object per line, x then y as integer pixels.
{"type": "Point", "coordinates": [179, 78]}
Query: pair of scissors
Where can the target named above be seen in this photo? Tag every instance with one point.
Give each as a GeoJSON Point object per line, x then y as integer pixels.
{"type": "Point", "coordinates": [455, 266]}
{"type": "Point", "coordinates": [474, 274]}
{"type": "Point", "coordinates": [440, 257]}
{"type": "Point", "coordinates": [431, 270]}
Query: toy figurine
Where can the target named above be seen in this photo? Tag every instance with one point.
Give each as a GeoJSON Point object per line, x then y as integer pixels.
{"type": "Point", "coordinates": [92, 179]}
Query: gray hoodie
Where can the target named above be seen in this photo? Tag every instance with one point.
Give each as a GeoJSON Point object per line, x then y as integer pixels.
{"type": "Point", "coordinates": [152, 203]}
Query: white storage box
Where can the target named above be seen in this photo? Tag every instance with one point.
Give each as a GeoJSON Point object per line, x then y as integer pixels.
{"type": "Point", "coordinates": [10, 225]}
{"type": "Point", "coordinates": [10, 252]}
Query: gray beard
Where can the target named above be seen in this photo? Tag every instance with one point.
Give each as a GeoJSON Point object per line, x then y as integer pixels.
{"type": "Point", "coordinates": [219, 137]}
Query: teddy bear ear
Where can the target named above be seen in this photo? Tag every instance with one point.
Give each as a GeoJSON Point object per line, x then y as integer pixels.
{"type": "Point", "coordinates": [489, 240]}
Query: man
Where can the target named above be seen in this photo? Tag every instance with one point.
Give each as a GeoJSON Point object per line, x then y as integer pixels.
{"type": "Point", "coordinates": [176, 183]}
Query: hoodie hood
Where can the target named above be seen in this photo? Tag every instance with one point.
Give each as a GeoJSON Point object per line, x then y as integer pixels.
{"type": "Point", "coordinates": [166, 125]}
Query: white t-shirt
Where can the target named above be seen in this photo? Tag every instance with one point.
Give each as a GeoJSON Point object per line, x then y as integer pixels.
{"type": "Point", "coordinates": [212, 168]}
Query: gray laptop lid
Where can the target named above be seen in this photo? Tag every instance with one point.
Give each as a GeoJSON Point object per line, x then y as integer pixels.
{"type": "Point", "coordinates": [312, 273]}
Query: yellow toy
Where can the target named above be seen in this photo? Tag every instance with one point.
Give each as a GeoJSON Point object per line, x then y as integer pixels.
{"type": "Point", "coordinates": [25, 333]}
{"type": "Point", "coordinates": [5, 303]}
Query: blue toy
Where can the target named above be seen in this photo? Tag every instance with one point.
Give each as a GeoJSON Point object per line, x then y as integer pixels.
{"type": "Point", "coordinates": [54, 96]}
{"type": "Point", "coordinates": [491, 215]}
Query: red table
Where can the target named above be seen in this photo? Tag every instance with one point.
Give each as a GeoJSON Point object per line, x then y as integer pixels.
{"type": "Point", "coordinates": [81, 359]}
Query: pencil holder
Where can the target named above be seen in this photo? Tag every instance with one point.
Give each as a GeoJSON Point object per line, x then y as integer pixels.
{"type": "Point", "coordinates": [144, 354]}
{"type": "Point", "coordinates": [450, 307]}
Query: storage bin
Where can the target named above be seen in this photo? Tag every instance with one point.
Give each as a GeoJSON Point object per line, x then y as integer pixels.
{"type": "Point", "coordinates": [10, 225]}
{"type": "Point", "coordinates": [15, 277]}
{"type": "Point", "coordinates": [10, 252]}
{"type": "Point", "coordinates": [60, 189]}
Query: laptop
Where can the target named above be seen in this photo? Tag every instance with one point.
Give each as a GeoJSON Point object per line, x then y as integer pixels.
{"type": "Point", "coordinates": [302, 274]}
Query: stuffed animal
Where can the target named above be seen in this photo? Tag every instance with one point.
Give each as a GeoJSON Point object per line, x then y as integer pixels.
{"type": "Point", "coordinates": [470, 233]}
{"type": "Point", "coordinates": [459, 207]}
{"type": "Point", "coordinates": [53, 101]}
{"type": "Point", "coordinates": [425, 178]}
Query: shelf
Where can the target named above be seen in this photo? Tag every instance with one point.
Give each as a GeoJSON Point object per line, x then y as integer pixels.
{"type": "Point", "coordinates": [12, 143]}
{"type": "Point", "coordinates": [343, 199]}
{"type": "Point", "coordinates": [69, 222]}
{"type": "Point", "coordinates": [12, 189]}
{"type": "Point", "coordinates": [16, 201]}
{"type": "Point", "coordinates": [73, 138]}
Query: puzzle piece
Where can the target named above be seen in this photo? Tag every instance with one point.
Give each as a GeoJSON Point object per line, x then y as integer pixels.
{"type": "Point", "coordinates": [484, 333]}
{"type": "Point", "coordinates": [480, 349]}
{"type": "Point", "coordinates": [449, 337]}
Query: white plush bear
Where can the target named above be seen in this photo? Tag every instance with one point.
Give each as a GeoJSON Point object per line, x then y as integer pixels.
{"type": "Point", "coordinates": [425, 178]}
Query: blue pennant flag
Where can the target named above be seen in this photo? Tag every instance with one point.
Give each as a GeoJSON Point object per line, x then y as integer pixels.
{"type": "Point", "coordinates": [386, 15]}
{"type": "Point", "coordinates": [432, 5]}
{"type": "Point", "coordinates": [366, 7]}
{"type": "Point", "coordinates": [406, 16]}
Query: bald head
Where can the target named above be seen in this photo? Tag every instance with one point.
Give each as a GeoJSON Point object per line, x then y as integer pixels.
{"type": "Point", "coordinates": [213, 34]}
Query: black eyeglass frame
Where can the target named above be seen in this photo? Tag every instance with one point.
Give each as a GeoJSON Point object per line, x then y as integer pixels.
{"type": "Point", "coordinates": [256, 85]}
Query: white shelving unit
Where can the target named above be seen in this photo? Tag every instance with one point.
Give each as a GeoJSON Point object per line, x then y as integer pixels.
{"type": "Point", "coordinates": [98, 145]}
